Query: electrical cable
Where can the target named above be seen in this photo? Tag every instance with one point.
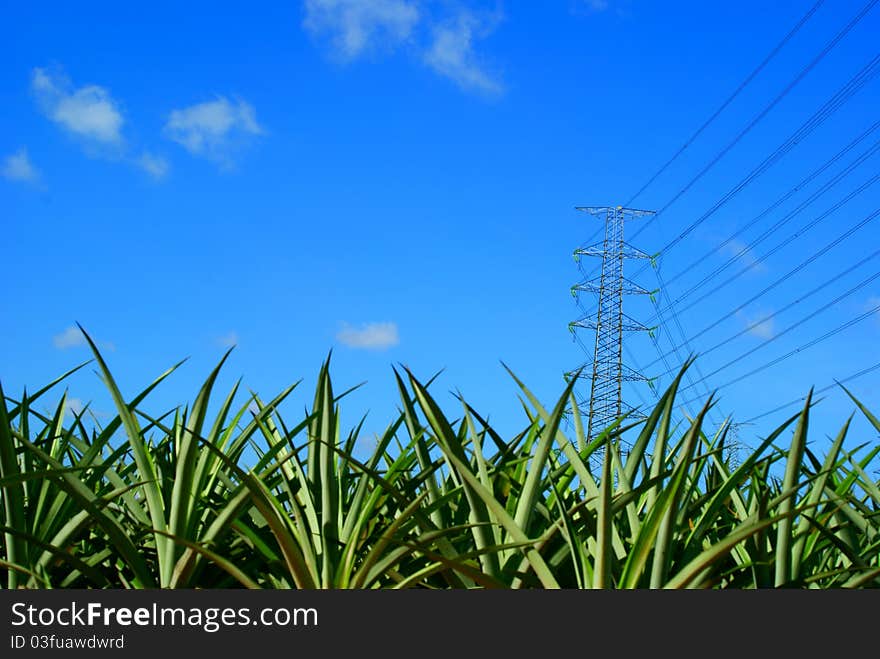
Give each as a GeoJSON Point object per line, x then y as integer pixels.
{"type": "Point", "coordinates": [788, 306]}
{"type": "Point", "coordinates": [729, 99]}
{"type": "Point", "coordinates": [761, 259]}
{"type": "Point", "coordinates": [836, 383]}
{"type": "Point", "coordinates": [801, 348]}
{"type": "Point", "coordinates": [812, 258]}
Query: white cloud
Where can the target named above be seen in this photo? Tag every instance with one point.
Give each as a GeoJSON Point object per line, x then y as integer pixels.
{"type": "Point", "coordinates": [213, 129]}
{"type": "Point", "coordinates": [74, 405]}
{"type": "Point", "coordinates": [621, 8]}
{"type": "Point", "coordinates": [228, 340]}
{"type": "Point", "coordinates": [88, 112]}
{"type": "Point", "coordinates": [873, 303]}
{"type": "Point", "coordinates": [355, 26]}
{"type": "Point", "coordinates": [452, 55]}
{"type": "Point", "coordinates": [369, 336]}
{"type": "Point", "coordinates": [763, 328]}
{"type": "Point", "coordinates": [92, 115]}
{"type": "Point", "coordinates": [743, 253]}
{"type": "Point", "coordinates": [72, 337]}
{"type": "Point", "coordinates": [155, 166]}
{"type": "Point", "coordinates": [69, 338]}
{"type": "Point", "coordinates": [18, 167]}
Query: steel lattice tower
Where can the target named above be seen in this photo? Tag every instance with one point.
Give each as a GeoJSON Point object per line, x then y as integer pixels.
{"type": "Point", "coordinates": [607, 369]}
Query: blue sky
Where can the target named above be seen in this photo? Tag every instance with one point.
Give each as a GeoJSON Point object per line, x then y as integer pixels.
{"type": "Point", "coordinates": [395, 180]}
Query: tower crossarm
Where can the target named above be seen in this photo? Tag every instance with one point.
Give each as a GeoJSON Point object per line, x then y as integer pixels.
{"type": "Point", "coordinates": [603, 210]}
{"type": "Point", "coordinates": [595, 286]}
{"type": "Point", "coordinates": [627, 250]}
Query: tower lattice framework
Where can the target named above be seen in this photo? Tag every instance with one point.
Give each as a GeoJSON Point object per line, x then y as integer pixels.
{"type": "Point", "coordinates": [607, 371]}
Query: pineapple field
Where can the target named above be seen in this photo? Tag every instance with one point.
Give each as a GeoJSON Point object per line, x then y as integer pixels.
{"type": "Point", "coordinates": [243, 498]}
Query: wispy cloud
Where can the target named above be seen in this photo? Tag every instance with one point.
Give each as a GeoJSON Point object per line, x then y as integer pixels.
{"type": "Point", "coordinates": [69, 338]}
{"type": "Point", "coordinates": [18, 167]}
{"type": "Point", "coordinates": [214, 129]}
{"type": "Point", "coordinates": [72, 337]}
{"type": "Point", "coordinates": [369, 336]}
{"type": "Point", "coordinates": [443, 44]}
{"type": "Point", "coordinates": [227, 340]}
{"type": "Point", "coordinates": [763, 328]}
{"type": "Point", "coordinates": [74, 405]}
{"type": "Point", "coordinates": [620, 8]}
{"type": "Point", "coordinates": [93, 117]}
{"type": "Point", "coordinates": [356, 26]}
{"type": "Point", "coordinates": [155, 166]}
{"type": "Point", "coordinates": [873, 302]}
{"type": "Point", "coordinates": [88, 112]}
{"type": "Point", "coordinates": [77, 406]}
{"type": "Point", "coordinates": [744, 254]}
{"type": "Point", "coordinates": [451, 53]}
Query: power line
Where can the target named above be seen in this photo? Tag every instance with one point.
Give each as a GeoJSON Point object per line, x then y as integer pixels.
{"type": "Point", "coordinates": [862, 78]}
{"type": "Point", "coordinates": [785, 242]}
{"type": "Point", "coordinates": [844, 94]}
{"type": "Point", "coordinates": [799, 349]}
{"type": "Point", "coordinates": [790, 328]}
{"type": "Point", "coordinates": [763, 113]}
{"type": "Point", "coordinates": [666, 363]}
{"type": "Point", "coordinates": [729, 99]}
{"type": "Point", "coordinates": [744, 250]}
{"type": "Point", "coordinates": [836, 383]}
{"type": "Point", "coordinates": [788, 306]}
{"type": "Point", "coordinates": [794, 190]}
{"type": "Point", "coordinates": [793, 83]}
{"type": "Point", "coordinates": [824, 250]}
{"type": "Point", "coordinates": [665, 329]}
{"type": "Point", "coordinates": [818, 118]}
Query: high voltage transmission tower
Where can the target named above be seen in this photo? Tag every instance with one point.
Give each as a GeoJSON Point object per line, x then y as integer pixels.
{"type": "Point", "coordinates": [607, 371]}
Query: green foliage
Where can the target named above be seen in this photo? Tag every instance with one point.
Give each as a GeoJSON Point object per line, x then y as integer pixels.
{"type": "Point", "coordinates": [168, 502]}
